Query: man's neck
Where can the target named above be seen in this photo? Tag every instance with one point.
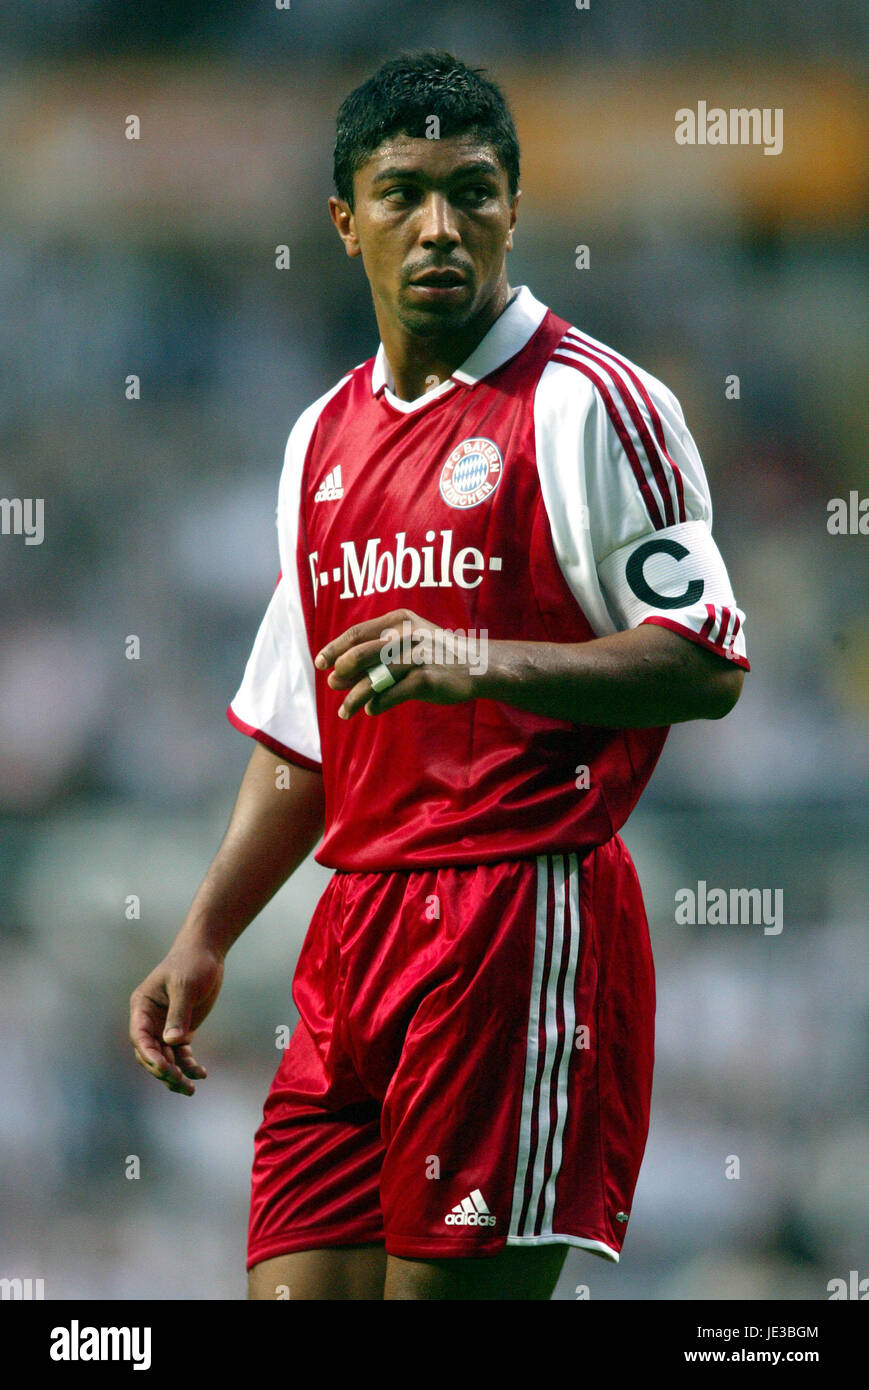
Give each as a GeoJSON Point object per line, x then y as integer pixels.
{"type": "Point", "coordinates": [420, 364]}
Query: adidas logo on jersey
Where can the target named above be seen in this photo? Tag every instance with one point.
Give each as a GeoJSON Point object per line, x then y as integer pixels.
{"type": "Point", "coordinates": [471, 1211]}
{"type": "Point", "coordinates": [331, 487]}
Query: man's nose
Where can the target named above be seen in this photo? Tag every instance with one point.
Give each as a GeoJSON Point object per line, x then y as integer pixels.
{"type": "Point", "coordinates": [439, 222]}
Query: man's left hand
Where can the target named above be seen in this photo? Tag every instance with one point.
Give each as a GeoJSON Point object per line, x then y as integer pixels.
{"type": "Point", "coordinates": [427, 663]}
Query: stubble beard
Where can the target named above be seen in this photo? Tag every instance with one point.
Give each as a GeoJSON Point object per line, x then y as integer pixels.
{"type": "Point", "coordinates": [437, 323]}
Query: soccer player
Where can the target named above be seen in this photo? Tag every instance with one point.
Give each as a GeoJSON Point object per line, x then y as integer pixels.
{"type": "Point", "coordinates": [498, 589]}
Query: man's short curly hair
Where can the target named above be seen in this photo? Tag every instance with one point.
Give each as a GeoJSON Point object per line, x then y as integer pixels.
{"type": "Point", "coordinates": [403, 95]}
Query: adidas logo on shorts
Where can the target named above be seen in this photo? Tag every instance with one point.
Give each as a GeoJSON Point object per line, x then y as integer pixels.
{"type": "Point", "coordinates": [331, 487]}
{"type": "Point", "coordinates": [471, 1211]}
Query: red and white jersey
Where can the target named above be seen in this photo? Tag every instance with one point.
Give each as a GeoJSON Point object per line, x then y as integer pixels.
{"type": "Point", "coordinates": [549, 491]}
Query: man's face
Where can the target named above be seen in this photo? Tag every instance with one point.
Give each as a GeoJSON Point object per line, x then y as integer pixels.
{"type": "Point", "coordinates": [433, 221]}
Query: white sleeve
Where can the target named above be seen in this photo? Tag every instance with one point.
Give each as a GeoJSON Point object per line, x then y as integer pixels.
{"type": "Point", "coordinates": [631, 516]}
{"type": "Point", "coordinates": [276, 702]}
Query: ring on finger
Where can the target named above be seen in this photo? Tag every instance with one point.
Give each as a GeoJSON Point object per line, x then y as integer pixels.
{"type": "Point", "coordinates": [381, 677]}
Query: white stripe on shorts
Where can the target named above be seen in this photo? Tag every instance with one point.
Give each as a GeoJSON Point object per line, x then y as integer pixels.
{"type": "Point", "coordinates": [548, 991]}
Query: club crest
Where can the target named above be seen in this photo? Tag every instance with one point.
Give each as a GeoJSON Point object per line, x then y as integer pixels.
{"type": "Point", "coordinates": [471, 473]}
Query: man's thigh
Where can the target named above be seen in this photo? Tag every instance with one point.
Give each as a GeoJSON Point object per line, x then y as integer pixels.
{"type": "Point", "coordinates": [365, 1272]}
{"type": "Point", "coordinates": [346, 1272]}
{"type": "Point", "coordinates": [516, 1273]}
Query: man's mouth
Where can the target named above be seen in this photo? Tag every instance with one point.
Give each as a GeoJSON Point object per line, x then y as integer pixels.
{"type": "Point", "coordinates": [440, 279]}
{"type": "Point", "coordinates": [439, 286]}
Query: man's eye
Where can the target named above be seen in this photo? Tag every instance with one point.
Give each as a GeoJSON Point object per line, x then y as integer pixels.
{"type": "Point", "coordinates": [476, 193]}
{"type": "Point", "coordinates": [400, 193]}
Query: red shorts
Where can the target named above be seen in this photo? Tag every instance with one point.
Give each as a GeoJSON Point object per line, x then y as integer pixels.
{"type": "Point", "coordinates": [472, 1067]}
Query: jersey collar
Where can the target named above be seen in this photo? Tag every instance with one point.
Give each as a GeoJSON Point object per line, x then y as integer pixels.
{"type": "Point", "coordinates": [512, 329]}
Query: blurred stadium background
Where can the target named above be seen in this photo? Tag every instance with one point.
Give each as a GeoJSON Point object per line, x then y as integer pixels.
{"type": "Point", "coordinates": [156, 257]}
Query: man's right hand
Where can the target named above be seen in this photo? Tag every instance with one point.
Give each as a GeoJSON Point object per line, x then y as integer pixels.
{"type": "Point", "coordinates": [168, 1007]}
{"type": "Point", "coordinates": [276, 821]}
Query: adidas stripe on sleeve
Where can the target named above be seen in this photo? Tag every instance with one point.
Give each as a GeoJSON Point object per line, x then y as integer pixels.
{"type": "Point", "coordinates": [631, 517]}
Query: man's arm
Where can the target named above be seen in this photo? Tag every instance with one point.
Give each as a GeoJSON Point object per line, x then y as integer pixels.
{"type": "Point", "coordinates": [272, 829]}
{"type": "Point", "coordinates": [640, 678]}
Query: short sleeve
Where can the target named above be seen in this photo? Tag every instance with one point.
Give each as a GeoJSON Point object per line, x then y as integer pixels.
{"type": "Point", "coordinates": [628, 501]}
{"type": "Point", "coordinates": [656, 558]}
{"type": "Point", "coordinates": [276, 701]}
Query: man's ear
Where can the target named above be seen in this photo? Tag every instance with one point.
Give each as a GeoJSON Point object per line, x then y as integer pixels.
{"type": "Point", "coordinates": [514, 209]}
{"type": "Point", "coordinates": [342, 215]}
